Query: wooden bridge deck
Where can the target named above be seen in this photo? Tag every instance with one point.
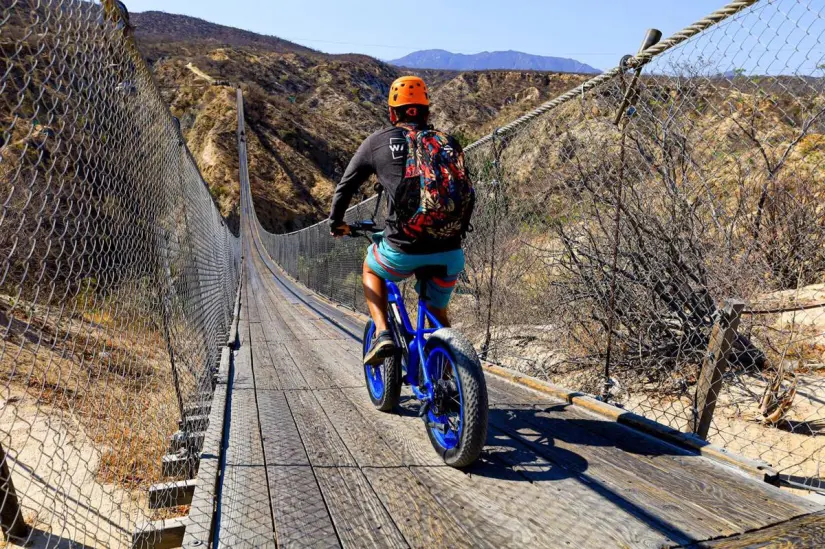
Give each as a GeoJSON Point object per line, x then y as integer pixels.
{"type": "Point", "coordinates": [310, 463]}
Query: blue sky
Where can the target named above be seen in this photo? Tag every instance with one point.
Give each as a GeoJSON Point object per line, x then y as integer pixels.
{"type": "Point", "coordinates": [596, 32]}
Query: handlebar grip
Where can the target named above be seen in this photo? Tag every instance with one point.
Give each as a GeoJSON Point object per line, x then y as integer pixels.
{"type": "Point", "coordinates": [339, 230]}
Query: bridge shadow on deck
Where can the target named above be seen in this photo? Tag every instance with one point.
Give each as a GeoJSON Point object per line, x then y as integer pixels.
{"type": "Point", "coordinates": [537, 445]}
{"type": "Point", "coordinates": [542, 445]}
{"type": "Point", "coordinates": [553, 422]}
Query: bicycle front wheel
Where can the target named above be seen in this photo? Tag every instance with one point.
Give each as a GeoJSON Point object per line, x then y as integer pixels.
{"type": "Point", "coordinates": [457, 419]}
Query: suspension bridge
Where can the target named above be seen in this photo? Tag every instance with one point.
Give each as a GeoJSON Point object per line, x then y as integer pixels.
{"type": "Point", "coordinates": [310, 463]}
{"type": "Point", "coordinates": [169, 381]}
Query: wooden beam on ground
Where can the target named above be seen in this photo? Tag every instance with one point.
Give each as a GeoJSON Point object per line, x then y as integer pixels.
{"type": "Point", "coordinates": [204, 498]}
{"type": "Point", "coordinates": [715, 365]}
{"type": "Point", "coordinates": [171, 494]}
{"type": "Point", "coordinates": [160, 534]}
{"type": "Point", "coordinates": [190, 441]}
{"type": "Point", "coordinates": [197, 408]}
{"type": "Point", "coordinates": [195, 423]}
{"type": "Point", "coordinates": [178, 465]}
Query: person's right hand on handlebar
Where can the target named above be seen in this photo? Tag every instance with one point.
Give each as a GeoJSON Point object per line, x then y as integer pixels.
{"type": "Point", "coordinates": [339, 230]}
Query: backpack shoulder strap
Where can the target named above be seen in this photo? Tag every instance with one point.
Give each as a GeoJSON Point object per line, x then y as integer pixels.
{"type": "Point", "coordinates": [378, 195]}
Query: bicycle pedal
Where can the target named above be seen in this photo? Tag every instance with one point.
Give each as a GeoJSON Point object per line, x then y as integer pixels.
{"type": "Point", "coordinates": [425, 407]}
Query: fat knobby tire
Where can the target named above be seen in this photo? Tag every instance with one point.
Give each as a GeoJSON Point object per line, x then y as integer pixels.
{"type": "Point", "coordinates": [391, 372]}
{"type": "Point", "coordinates": [474, 396]}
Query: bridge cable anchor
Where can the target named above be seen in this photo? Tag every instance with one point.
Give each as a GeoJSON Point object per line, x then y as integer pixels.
{"type": "Point", "coordinates": [628, 62]}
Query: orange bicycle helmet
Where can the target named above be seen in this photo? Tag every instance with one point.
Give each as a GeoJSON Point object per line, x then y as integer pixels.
{"type": "Point", "coordinates": [409, 90]}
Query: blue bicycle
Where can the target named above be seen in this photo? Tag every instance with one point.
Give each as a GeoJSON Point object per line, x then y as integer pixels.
{"type": "Point", "coordinates": [439, 365]}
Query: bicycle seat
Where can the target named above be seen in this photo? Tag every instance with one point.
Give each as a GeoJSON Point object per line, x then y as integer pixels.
{"type": "Point", "coordinates": [431, 271]}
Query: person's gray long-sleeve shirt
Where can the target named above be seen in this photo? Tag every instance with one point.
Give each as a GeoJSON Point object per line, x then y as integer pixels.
{"type": "Point", "coordinates": [384, 154]}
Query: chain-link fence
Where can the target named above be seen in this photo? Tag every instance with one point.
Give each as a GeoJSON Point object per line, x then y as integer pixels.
{"type": "Point", "coordinates": [617, 225]}
{"type": "Point", "coordinates": [117, 278]}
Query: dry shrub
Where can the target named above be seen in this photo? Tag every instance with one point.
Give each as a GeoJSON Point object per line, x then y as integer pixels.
{"type": "Point", "coordinates": [720, 198]}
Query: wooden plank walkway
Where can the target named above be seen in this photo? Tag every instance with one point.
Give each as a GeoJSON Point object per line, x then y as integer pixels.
{"type": "Point", "coordinates": [310, 463]}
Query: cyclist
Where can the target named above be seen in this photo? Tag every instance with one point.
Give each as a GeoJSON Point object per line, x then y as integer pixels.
{"type": "Point", "coordinates": [398, 252]}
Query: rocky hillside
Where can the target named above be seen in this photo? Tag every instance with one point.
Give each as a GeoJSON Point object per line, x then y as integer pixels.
{"type": "Point", "coordinates": [306, 111]}
{"type": "Point", "coordinates": [159, 27]}
{"type": "Point", "coordinates": [473, 104]}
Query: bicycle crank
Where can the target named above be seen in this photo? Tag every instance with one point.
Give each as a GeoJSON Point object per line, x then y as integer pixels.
{"type": "Point", "coordinates": [425, 407]}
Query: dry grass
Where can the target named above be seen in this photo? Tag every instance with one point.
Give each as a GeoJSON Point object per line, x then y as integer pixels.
{"type": "Point", "coordinates": [170, 512]}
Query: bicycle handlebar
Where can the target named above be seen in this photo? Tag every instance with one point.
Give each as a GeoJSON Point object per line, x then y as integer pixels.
{"type": "Point", "coordinates": [364, 228]}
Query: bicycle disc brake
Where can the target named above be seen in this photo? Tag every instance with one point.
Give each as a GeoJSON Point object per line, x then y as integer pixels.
{"type": "Point", "coordinates": [444, 394]}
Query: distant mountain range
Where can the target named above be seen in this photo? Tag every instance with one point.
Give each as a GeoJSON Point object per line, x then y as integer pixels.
{"type": "Point", "coordinates": [496, 60]}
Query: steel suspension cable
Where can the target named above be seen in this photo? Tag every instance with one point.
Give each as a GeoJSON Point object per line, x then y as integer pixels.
{"type": "Point", "coordinates": [638, 60]}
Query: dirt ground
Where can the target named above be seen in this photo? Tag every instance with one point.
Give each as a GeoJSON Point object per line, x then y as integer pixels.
{"type": "Point", "coordinates": [87, 405]}
{"type": "Point", "coordinates": [61, 498]}
{"type": "Point", "coordinates": [793, 447]}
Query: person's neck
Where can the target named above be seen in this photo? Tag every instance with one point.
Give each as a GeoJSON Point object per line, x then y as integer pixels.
{"type": "Point", "coordinates": [415, 125]}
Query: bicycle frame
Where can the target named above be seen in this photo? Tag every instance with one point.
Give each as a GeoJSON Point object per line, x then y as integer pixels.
{"type": "Point", "coordinates": [412, 340]}
{"type": "Point", "coordinates": [436, 376]}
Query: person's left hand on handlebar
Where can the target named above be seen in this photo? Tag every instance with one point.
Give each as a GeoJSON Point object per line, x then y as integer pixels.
{"type": "Point", "coordinates": [339, 230]}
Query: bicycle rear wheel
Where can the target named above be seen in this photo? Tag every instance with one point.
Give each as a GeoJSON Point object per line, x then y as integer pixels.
{"type": "Point", "coordinates": [383, 381]}
{"type": "Point", "coordinates": [457, 419]}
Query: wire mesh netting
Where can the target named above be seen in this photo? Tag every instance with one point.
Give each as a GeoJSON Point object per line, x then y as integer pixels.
{"type": "Point", "coordinates": [118, 278]}
{"type": "Point", "coordinates": [614, 229]}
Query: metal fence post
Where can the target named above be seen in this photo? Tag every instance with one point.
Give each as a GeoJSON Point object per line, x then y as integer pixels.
{"type": "Point", "coordinates": [11, 516]}
{"type": "Point", "coordinates": [497, 190]}
{"type": "Point", "coordinates": [651, 38]}
{"type": "Point", "coordinates": [715, 365]}
{"type": "Point", "coordinates": [166, 293]}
